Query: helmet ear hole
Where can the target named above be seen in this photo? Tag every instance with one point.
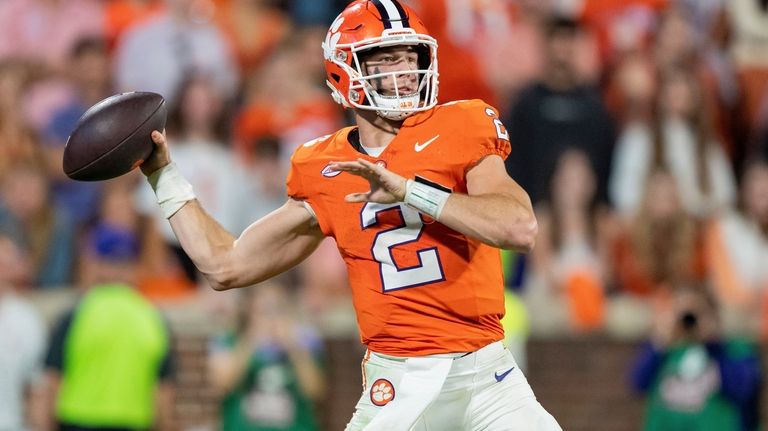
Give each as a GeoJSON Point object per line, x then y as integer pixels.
{"type": "Point", "coordinates": [336, 77]}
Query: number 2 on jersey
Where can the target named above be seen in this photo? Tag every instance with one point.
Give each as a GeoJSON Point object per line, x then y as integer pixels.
{"type": "Point", "coordinates": [429, 270]}
{"type": "Point", "coordinates": [501, 131]}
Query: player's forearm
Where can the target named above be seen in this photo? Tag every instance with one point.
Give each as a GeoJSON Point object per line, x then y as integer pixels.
{"type": "Point", "coordinates": [501, 220]}
{"type": "Point", "coordinates": [268, 247]}
{"type": "Point", "coordinates": [205, 241]}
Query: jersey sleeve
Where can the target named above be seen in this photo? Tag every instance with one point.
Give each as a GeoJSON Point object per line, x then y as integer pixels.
{"type": "Point", "coordinates": [294, 185]}
{"type": "Point", "coordinates": [297, 188]}
{"type": "Point", "coordinates": [486, 134]}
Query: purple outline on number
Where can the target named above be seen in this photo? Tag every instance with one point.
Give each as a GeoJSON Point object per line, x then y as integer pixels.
{"type": "Point", "coordinates": [403, 224]}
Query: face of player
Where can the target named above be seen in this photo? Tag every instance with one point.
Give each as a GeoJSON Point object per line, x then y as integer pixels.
{"type": "Point", "coordinates": [393, 59]}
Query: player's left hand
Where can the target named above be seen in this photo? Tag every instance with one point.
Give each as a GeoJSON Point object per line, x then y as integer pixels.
{"type": "Point", "coordinates": [386, 186]}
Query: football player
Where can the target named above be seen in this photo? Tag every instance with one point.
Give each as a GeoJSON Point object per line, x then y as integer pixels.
{"type": "Point", "coordinates": [418, 201]}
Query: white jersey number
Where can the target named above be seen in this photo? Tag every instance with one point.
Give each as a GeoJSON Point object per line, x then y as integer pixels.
{"type": "Point", "coordinates": [501, 131]}
{"type": "Point", "coordinates": [429, 269]}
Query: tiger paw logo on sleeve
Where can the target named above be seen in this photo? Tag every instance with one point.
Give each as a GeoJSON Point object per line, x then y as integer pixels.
{"type": "Point", "coordinates": [382, 392]}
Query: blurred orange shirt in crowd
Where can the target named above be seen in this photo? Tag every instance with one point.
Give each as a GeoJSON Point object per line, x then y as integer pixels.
{"type": "Point", "coordinates": [120, 15]}
{"type": "Point", "coordinates": [461, 75]}
{"type": "Point", "coordinates": [303, 121]}
{"type": "Point", "coordinates": [634, 276]}
{"type": "Point", "coordinates": [621, 24]}
{"type": "Point", "coordinates": [252, 29]}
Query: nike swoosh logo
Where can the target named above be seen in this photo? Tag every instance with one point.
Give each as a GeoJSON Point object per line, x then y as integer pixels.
{"type": "Point", "coordinates": [418, 147]}
{"type": "Point", "coordinates": [500, 377]}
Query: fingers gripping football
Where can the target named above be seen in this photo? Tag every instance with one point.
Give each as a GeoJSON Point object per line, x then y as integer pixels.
{"type": "Point", "coordinates": [160, 155]}
{"type": "Point", "coordinates": [385, 185]}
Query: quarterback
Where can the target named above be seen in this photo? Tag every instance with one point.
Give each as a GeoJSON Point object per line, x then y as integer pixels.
{"type": "Point", "coordinates": [418, 200]}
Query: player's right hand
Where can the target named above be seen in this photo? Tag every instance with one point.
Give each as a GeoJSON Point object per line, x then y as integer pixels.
{"type": "Point", "coordinates": [159, 157]}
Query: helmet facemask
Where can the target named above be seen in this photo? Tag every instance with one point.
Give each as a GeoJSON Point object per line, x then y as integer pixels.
{"type": "Point", "coordinates": [367, 89]}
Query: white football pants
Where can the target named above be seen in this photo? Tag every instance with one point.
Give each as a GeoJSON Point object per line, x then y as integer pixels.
{"type": "Point", "coordinates": [484, 390]}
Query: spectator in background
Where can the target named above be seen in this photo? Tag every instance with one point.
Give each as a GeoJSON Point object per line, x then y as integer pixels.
{"type": "Point", "coordinates": [285, 101]}
{"type": "Point", "coordinates": [621, 26]}
{"type": "Point", "coordinates": [511, 50]}
{"type": "Point", "coordinates": [694, 377]}
{"type": "Point", "coordinates": [159, 276]}
{"type": "Point", "coordinates": [109, 360]}
{"type": "Point", "coordinates": [719, 72]}
{"type": "Point", "coordinates": [661, 246]}
{"type": "Point", "coordinates": [89, 81]}
{"type": "Point", "coordinates": [680, 45]}
{"type": "Point", "coordinates": [570, 259]}
{"type": "Point", "coordinates": [308, 13]}
{"type": "Point", "coordinates": [159, 52]}
{"type": "Point", "coordinates": [676, 44]}
{"type": "Point", "coordinates": [737, 249]}
{"type": "Point", "coordinates": [558, 113]}
{"type": "Point", "coordinates": [631, 88]}
{"type": "Point", "coordinates": [268, 369]}
{"type": "Point", "coordinates": [18, 142]}
{"type": "Point", "coordinates": [254, 28]}
{"type": "Point", "coordinates": [199, 121]}
{"type": "Point", "coordinates": [22, 344]}
{"type": "Point", "coordinates": [121, 15]}
{"type": "Point", "coordinates": [27, 213]}
{"type": "Point", "coordinates": [325, 294]}
{"type": "Point", "coordinates": [266, 170]}
{"type": "Point", "coordinates": [44, 31]}
{"type": "Point", "coordinates": [456, 25]}
{"type": "Point", "coordinates": [749, 21]}
{"type": "Point", "coordinates": [678, 137]}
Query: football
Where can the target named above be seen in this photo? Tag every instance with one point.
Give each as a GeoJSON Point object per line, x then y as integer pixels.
{"type": "Point", "coordinates": [113, 136]}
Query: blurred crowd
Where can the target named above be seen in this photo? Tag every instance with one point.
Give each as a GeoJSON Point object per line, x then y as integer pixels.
{"type": "Point", "coordinates": [638, 127]}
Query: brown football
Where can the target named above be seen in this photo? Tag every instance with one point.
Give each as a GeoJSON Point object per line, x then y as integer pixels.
{"type": "Point", "coordinates": [113, 136]}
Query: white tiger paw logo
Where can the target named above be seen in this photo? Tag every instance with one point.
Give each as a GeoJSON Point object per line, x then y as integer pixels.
{"type": "Point", "coordinates": [382, 392]}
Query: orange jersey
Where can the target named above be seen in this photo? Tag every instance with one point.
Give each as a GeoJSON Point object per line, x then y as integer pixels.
{"type": "Point", "coordinates": [418, 287]}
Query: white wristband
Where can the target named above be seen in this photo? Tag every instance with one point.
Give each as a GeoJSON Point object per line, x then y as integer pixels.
{"type": "Point", "coordinates": [171, 188]}
{"type": "Point", "coordinates": [425, 198]}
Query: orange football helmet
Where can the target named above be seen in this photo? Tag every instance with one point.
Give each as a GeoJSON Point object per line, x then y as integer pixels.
{"type": "Point", "coordinates": [369, 24]}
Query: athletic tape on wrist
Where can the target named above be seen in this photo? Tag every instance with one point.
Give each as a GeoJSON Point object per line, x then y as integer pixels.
{"type": "Point", "coordinates": [171, 188]}
{"type": "Point", "coordinates": [425, 198]}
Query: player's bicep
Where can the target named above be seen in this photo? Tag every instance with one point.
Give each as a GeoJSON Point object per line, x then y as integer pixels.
{"type": "Point", "coordinates": [489, 176]}
{"type": "Point", "coordinates": [275, 243]}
